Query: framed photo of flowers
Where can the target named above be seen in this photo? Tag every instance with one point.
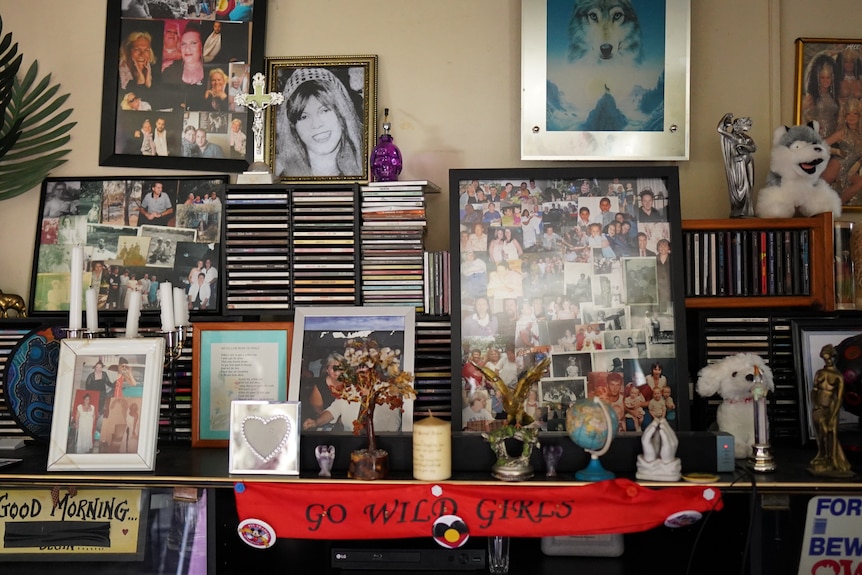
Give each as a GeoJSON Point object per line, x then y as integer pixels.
{"type": "Point", "coordinates": [106, 405]}
{"type": "Point", "coordinates": [323, 338]}
{"type": "Point", "coordinates": [580, 264]}
{"type": "Point", "coordinates": [172, 71]}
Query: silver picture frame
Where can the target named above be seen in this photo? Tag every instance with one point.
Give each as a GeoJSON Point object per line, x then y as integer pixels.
{"type": "Point", "coordinates": [561, 94]}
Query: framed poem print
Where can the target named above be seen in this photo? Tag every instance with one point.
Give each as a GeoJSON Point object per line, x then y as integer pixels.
{"type": "Point", "coordinates": [809, 337]}
{"type": "Point", "coordinates": [321, 337]}
{"type": "Point", "coordinates": [264, 437]}
{"type": "Point", "coordinates": [106, 405]}
{"type": "Point", "coordinates": [605, 81]}
{"type": "Point", "coordinates": [580, 264]}
{"type": "Point", "coordinates": [235, 361]}
{"type": "Point", "coordinates": [327, 126]}
{"type": "Point", "coordinates": [828, 83]}
{"type": "Point", "coordinates": [136, 233]}
{"type": "Point", "coordinates": [172, 71]}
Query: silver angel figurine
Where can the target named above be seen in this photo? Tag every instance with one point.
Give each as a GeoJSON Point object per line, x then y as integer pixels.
{"type": "Point", "coordinates": [325, 455]}
{"type": "Point", "coordinates": [738, 148]}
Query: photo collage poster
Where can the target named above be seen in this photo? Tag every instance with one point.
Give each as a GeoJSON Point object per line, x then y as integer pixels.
{"type": "Point", "coordinates": [575, 269]}
{"type": "Point", "coordinates": [180, 66]}
{"type": "Point", "coordinates": [135, 234]}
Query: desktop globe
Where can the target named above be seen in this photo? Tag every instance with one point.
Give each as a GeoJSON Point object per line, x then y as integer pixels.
{"type": "Point", "coordinates": [592, 425]}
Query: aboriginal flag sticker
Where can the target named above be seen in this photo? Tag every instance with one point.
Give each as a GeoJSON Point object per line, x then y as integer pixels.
{"type": "Point", "coordinates": [450, 531]}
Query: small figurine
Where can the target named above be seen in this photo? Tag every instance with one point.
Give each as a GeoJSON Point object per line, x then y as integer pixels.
{"type": "Point", "coordinates": [14, 302]}
{"type": "Point", "coordinates": [826, 395]}
{"type": "Point", "coordinates": [738, 149]}
{"type": "Point", "coordinates": [325, 455]}
{"type": "Point", "coordinates": [658, 462]}
{"type": "Point", "coordinates": [551, 454]}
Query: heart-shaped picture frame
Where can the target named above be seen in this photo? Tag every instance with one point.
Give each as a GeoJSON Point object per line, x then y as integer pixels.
{"type": "Point", "coordinates": [266, 437]}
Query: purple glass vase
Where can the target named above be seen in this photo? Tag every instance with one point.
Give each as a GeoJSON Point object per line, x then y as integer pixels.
{"type": "Point", "coordinates": [386, 160]}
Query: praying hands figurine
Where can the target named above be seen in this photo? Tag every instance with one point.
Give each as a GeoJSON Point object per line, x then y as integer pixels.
{"type": "Point", "coordinates": [658, 461]}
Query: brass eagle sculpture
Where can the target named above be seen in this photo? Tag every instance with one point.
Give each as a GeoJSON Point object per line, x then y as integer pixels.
{"type": "Point", "coordinates": [513, 399]}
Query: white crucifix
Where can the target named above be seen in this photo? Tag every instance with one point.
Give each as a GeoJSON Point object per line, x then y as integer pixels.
{"type": "Point", "coordinates": [258, 102]}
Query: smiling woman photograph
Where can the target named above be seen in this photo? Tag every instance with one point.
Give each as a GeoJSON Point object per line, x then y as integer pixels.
{"type": "Point", "coordinates": [319, 130]}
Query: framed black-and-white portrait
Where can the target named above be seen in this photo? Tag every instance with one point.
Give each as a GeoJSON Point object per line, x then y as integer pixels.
{"type": "Point", "coordinates": [327, 126]}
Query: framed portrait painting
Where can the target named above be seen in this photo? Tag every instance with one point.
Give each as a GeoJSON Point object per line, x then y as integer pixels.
{"type": "Point", "coordinates": [172, 71]}
{"type": "Point", "coordinates": [136, 233]}
{"type": "Point", "coordinates": [327, 126]}
{"type": "Point", "coordinates": [582, 265]}
{"type": "Point", "coordinates": [106, 405]}
{"type": "Point", "coordinates": [829, 91]}
{"type": "Point", "coordinates": [234, 361]}
{"type": "Point", "coordinates": [605, 80]}
{"type": "Point", "coordinates": [320, 339]}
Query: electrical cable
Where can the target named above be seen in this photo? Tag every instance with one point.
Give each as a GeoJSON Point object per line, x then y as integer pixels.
{"type": "Point", "coordinates": [707, 515]}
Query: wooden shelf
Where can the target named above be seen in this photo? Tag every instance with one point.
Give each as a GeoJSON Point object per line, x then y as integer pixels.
{"type": "Point", "coordinates": [822, 285]}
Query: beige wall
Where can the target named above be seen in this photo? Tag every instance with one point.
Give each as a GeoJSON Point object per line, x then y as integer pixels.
{"type": "Point", "coordinates": [449, 70]}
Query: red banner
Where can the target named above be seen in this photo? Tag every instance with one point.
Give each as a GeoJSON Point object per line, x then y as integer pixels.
{"type": "Point", "coordinates": [378, 510]}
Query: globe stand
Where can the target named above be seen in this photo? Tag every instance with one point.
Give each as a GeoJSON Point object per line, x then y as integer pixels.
{"type": "Point", "coordinates": [594, 471]}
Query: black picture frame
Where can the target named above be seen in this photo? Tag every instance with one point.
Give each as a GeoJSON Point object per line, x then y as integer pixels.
{"type": "Point", "coordinates": [180, 105]}
{"type": "Point", "coordinates": [102, 215]}
{"type": "Point", "coordinates": [658, 340]}
{"type": "Point", "coordinates": [809, 337]}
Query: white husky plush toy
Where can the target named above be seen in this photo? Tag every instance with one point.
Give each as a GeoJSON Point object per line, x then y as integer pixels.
{"type": "Point", "coordinates": [799, 157]}
{"type": "Point", "coordinates": [733, 379]}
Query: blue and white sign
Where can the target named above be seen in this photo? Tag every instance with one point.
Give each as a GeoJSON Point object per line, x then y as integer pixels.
{"type": "Point", "coordinates": [832, 542]}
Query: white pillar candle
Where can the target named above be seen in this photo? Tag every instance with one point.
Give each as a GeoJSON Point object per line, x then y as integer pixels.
{"type": "Point", "coordinates": [134, 314]}
{"type": "Point", "coordinates": [92, 309]}
{"type": "Point", "coordinates": [432, 449]}
{"type": "Point", "coordinates": [181, 307]}
{"type": "Point", "coordinates": [76, 288]}
{"type": "Point", "coordinates": [166, 295]}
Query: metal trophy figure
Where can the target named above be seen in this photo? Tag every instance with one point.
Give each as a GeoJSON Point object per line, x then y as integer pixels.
{"type": "Point", "coordinates": [258, 102]}
{"type": "Point", "coordinates": [738, 149]}
{"type": "Point", "coordinates": [826, 395]}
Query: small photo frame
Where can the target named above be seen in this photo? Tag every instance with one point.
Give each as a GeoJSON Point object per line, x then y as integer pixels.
{"type": "Point", "coordinates": [264, 437]}
{"type": "Point", "coordinates": [106, 405]}
{"type": "Point", "coordinates": [235, 361]}
{"type": "Point", "coordinates": [321, 337]}
{"type": "Point", "coordinates": [341, 93]}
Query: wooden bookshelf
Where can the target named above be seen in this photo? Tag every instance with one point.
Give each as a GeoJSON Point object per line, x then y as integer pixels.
{"type": "Point", "coordinates": [821, 293]}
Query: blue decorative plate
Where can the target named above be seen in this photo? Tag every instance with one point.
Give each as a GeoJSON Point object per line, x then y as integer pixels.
{"type": "Point", "coordinates": [31, 375]}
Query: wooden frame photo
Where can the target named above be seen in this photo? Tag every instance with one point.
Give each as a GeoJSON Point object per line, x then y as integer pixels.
{"type": "Point", "coordinates": [164, 109]}
{"type": "Point", "coordinates": [605, 81]}
{"type": "Point", "coordinates": [809, 337]}
{"type": "Point", "coordinates": [235, 361]}
{"type": "Point", "coordinates": [339, 95]}
{"type": "Point", "coordinates": [557, 262]}
{"type": "Point", "coordinates": [264, 437]}
{"type": "Point", "coordinates": [320, 339]}
{"type": "Point", "coordinates": [106, 405]}
{"type": "Point", "coordinates": [132, 229]}
{"type": "Point", "coordinates": [828, 89]}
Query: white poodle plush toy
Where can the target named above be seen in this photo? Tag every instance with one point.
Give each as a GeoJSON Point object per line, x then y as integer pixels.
{"type": "Point", "coordinates": [733, 379]}
{"type": "Point", "coordinates": [799, 157]}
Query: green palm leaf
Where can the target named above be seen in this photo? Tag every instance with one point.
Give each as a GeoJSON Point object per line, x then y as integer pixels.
{"type": "Point", "coordinates": [32, 130]}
